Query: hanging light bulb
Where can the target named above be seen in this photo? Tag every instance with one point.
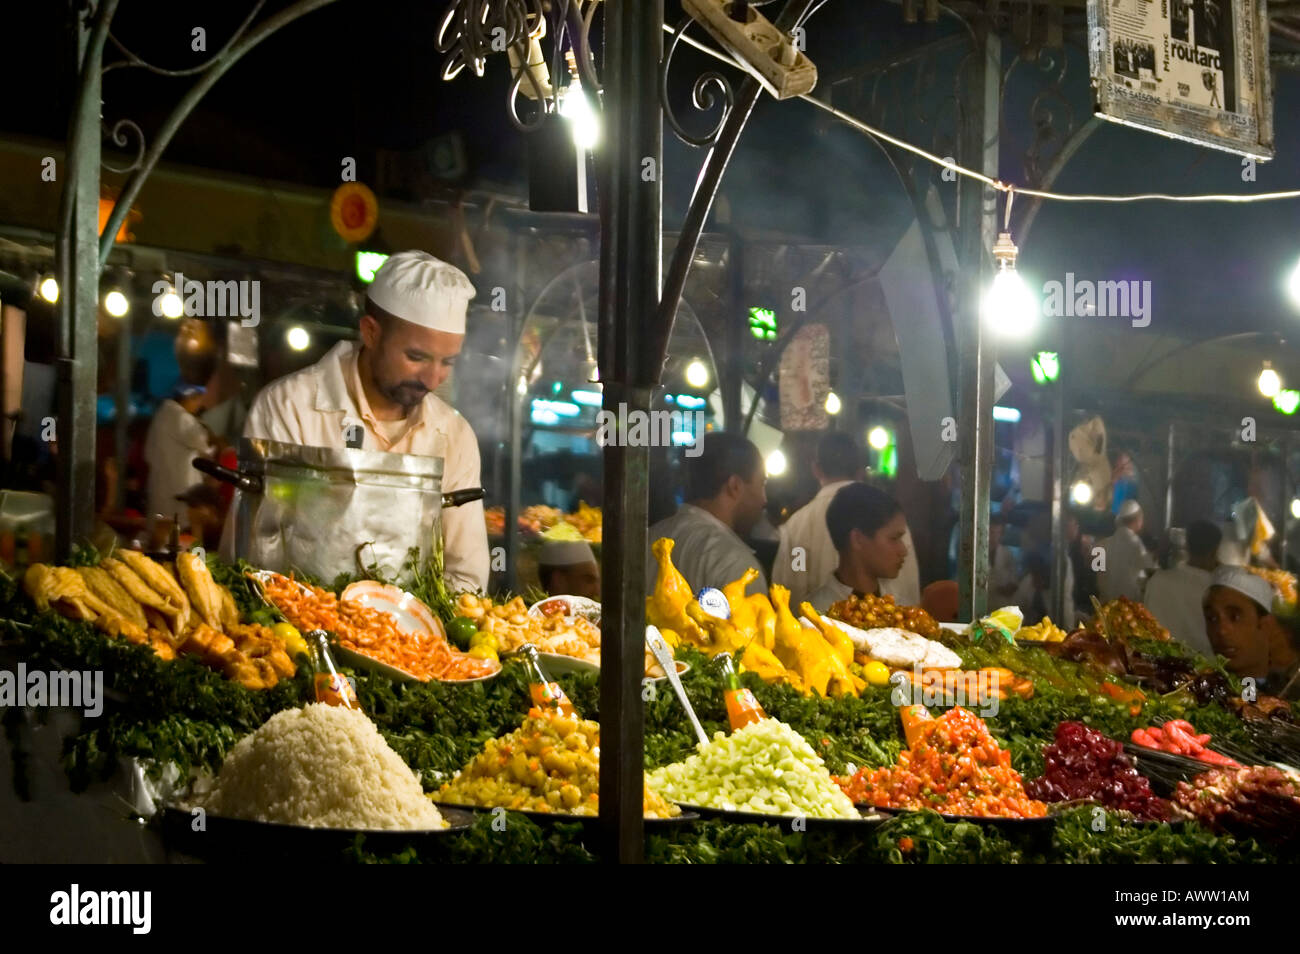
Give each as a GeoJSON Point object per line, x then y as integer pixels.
{"type": "Point", "coordinates": [697, 374]}
{"type": "Point", "coordinates": [48, 289]}
{"type": "Point", "coordinates": [170, 303]}
{"type": "Point", "coordinates": [1081, 493]}
{"type": "Point", "coordinates": [584, 124]}
{"type": "Point", "coordinates": [1293, 285]}
{"type": "Point", "coordinates": [1009, 307]}
{"type": "Point", "coordinates": [1270, 382]}
{"type": "Point", "coordinates": [776, 463]}
{"type": "Point", "coordinates": [116, 303]}
{"type": "Point", "coordinates": [297, 338]}
{"type": "Point", "coordinates": [878, 438]}
{"type": "Point", "coordinates": [1295, 507]}
{"type": "Point", "coordinates": [832, 403]}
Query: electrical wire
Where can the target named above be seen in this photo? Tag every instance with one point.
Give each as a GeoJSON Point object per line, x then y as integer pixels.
{"type": "Point", "coordinates": [998, 183]}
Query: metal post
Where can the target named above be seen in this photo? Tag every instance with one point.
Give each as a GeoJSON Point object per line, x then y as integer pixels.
{"type": "Point", "coordinates": [77, 265]}
{"type": "Point", "coordinates": [979, 141]}
{"type": "Point", "coordinates": [731, 375]}
{"type": "Point", "coordinates": [515, 406]}
{"type": "Point", "coordinates": [1060, 486]}
{"type": "Point", "coordinates": [631, 216]}
{"type": "Point", "coordinates": [1171, 469]}
{"type": "Point", "coordinates": [122, 413]}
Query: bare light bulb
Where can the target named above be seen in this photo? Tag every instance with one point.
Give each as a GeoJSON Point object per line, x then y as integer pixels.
{"type": "Point", "coordinates": [1270, 382]}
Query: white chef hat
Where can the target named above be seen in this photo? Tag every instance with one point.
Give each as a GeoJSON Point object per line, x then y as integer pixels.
{"type": "Point", "coordinates": [1246, 583]}
{"type": "Point", "coordinates": [1129, 508]}
{"type": "Point", "coordinates": [565, 553]}
{"type": "Point", "coordinates": [423, 290]}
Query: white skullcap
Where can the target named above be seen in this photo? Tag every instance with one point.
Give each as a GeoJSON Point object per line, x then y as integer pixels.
{"type": "Point", "coordinates": [1248, 584]}
{"type": "Point", "coordinates": [565, 553]}
{"type": "Point", "coordinates": [423, 290]}
{"type": "Point", "coordinates": [1129, 508]}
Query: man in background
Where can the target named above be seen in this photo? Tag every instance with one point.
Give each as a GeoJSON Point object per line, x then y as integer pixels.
{"type": "Point", "coordinates": [838, 463]}
{"type": "Point", "coordinates": [1174, 596]}
{"type": "Point", "coordinates": [176, 437]}
{"type": "Point", "coordinates": [1126, 558]}
{"type": "Point", "coordinates": [725, 493]}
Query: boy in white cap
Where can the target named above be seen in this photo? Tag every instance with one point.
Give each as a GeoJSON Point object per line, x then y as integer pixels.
{"type": "Point", "coordinates": [377, 394]}
{"type": "Point", "coordinates": [1126, 558]}
{"type": "Point", "coordinates": [569, 568]}
{"type": "Point", "coordinates": [1238, 609]}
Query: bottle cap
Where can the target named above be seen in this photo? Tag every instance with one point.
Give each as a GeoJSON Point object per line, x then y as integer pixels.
{"type": "Point", "coordinates": [713, 602]}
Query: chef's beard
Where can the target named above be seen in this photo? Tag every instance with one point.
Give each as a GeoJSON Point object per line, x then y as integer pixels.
{"type": "Point", "coordinates": [408, 394]}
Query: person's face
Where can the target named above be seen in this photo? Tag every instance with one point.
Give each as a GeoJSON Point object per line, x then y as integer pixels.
{"type": "Point", "coordinates": [408, 361]}
{"type": "Point", "coordinates": [1232, 621]}
{"type": "Point", "coordinates": [995, 536]}
{"type": "Point", "coordinates": [581, 579]}
{"type": "Point", "coordinates": [884, 551]}
{"type": "Point", "coordinates": [751, 498]}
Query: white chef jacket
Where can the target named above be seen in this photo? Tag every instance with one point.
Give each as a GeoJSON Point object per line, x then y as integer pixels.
{"type": "Point", "coordinates": [312, 408]}
{"type": "Point", "coordinates": [1174, 599]}
{"type": "Point", "coordinates": [807, 528]}
{"type": "Point", "coordinates": [706, 551]}
{"type": "Point", "coordinates": [1126, 560]}
{"type": "Point", "coordinates": [175, 438]}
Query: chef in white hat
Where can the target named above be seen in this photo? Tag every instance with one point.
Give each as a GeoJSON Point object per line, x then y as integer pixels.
{"type": "Point", "coordinates": [1126, 558]}
{"type": "Point", "coordinates": [377, 394]}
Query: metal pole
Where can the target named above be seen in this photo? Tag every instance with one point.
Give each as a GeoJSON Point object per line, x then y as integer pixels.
{"type": "Point", "coordinates": [515, 403]}
{"type": "Point", "coordinates": [731, 374]}
{"type": "Point", "coordinates": [77, 265]}
{"type": "Point", "coordinates": [1060, 487]}
{"type": "Point", "coordinates": [122, 411]}
{"type": "Point", "coordinates": [1171, 465]}
{"type": "Point", "coordinates": [976, 356]}
{"type": "Point", "coordinates": [631, 221]}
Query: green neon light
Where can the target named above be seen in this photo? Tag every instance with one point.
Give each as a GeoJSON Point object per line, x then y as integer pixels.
{"type": "Point", "coordinates": [1045, 366]}
{"type": "Point", "coordinates": [1287, 401]}
{"type": "Point", "coordinates": [762, 324]}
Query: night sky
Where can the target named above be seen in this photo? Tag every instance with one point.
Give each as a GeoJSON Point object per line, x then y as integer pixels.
{"type": "Point", "coordinates": [355, 77]}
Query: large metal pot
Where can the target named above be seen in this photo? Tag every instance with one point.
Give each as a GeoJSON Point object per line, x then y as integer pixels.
{"type": "Point", "coordinates": [325, 511]}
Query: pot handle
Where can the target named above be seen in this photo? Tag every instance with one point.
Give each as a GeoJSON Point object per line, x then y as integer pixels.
{"type": "Point", "coordinates": [458, 497]}
{"type": "Point", "coordinates": [245, 482]}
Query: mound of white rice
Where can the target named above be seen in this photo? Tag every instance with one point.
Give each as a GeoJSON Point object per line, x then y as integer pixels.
{"type": "Point", "coordinates": [321, 766]}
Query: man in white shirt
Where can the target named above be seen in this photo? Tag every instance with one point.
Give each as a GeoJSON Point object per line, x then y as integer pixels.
{"type": "Point", "coordinates": [726, 493]}
{"type": "Point", "coordinates": [1174, 596]}
{"type": "Point", "coordinates": [176, 437]}
{"type": "Point", "coordinates": [867, 527]}
{"type": "Point", "coordinates": [1126, 558]}
{"type": "Point", "coordinates": [377, 394]}
{"type": "Point", "coordinates": [806, 558]}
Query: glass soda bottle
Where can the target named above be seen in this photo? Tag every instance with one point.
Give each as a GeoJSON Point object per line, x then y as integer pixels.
{"type": "Point", "coordinates": [742, 707]}
{"type": "Point", "coordinates": [545, 693]}
{"type": "Point", "coordinates": [332, 687]}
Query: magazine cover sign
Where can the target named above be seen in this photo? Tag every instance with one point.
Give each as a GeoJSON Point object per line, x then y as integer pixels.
{"type": "Point", "coordinates": [1191, 69]}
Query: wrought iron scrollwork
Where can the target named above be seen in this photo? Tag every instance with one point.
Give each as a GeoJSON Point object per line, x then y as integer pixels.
{"type": "Point", "coordinates": [708, 88]}
{"type": "Point", "coordinates": [119, 138]}
{"type": "Point", "coordinates": [472, 30]}
{"type": "Point", "coordinates": [1051, 114]}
